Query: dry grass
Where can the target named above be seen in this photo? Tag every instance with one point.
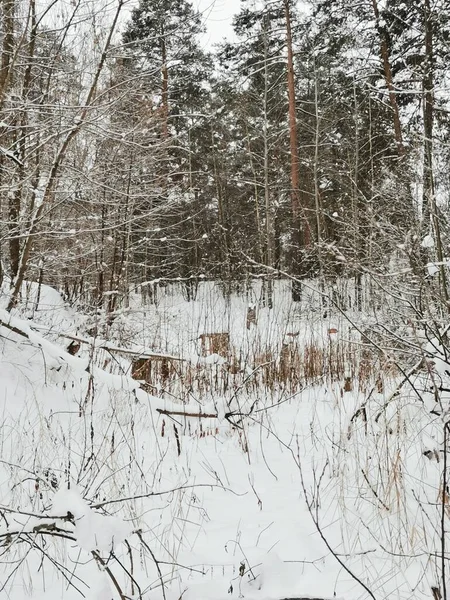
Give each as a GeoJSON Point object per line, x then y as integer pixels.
{"type": "Point", "coordinates": [291, 367]}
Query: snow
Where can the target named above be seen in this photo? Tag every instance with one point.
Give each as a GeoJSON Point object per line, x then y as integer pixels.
{"type": "Point", "coordinates": [427, 242]}
{"type": "Point", "coordinates": [432, 269]}
{"type": "Point", "coordinates": [212, 359]}
{"type": "Point", "coordinates": [222, 508]}
{"type": "Point", "coordinates": [11, 155]}
{"type": "Point", "coordinates": [93, 531]}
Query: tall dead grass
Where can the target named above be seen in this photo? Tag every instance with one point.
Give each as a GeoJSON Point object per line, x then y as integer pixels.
{"type": "Point", "coordinates": [290, 367]}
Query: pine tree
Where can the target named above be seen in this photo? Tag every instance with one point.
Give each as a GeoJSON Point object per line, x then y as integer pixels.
{"type": "Point", "coordinates": [164, 33]}
{"type": "Point", "coordinates": [162, 40]}
{"type": "Point", "coordinates": [255, 69]}
{"type": "Point", "coordinates": [364, 158]}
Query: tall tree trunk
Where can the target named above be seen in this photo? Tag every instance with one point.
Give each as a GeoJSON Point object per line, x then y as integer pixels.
{"type": "Point", "coordinates": [389, 80]}
{"type": "Point", "coordinates": [429, 209]}
{"type": "Point", "coordinates": [14, 202]}
{"type": "Point", "coordinates": [260, 245]}
{"type": "Point", "coordinates": [293, 137]}
{"type": "Point", "coordinates": [8, 7]}
{"type": "Point", "coordinates": [357, 242]}
{"type": "Point", "coordinates": [301, 230]}
{"type": "Point", "coordinates": [267, 202]}
{"type": "Point", "coordinates": [164, 88]}
{"type": "Point", "coordinates": [317, 196]}
{"type": "Point", "coordinates": [222, 219]}
{"type": "Point", "coordinates": [16, 197]}
{"type": "Point", "coordinates": [428, 104]}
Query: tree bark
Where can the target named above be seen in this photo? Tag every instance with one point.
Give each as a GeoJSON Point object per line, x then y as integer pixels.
{"type": "Point", "coordinates": [267, 199]}
{"type": "Point", "coordinates": [301, 228]}
{"type": "Point", "coordinates": [16, 197]}
{"type": "Point", "coordinates": [297, 209]}
{"type": "Point", "coordinates": [429, 207]}
{"type": "Point", "coordinates": [8, 7]}
{"type": "Point", "coordinates": [428, 104]}
{"type": "Point", "coordinates": [389, 80]}
{"type": "Point", "coordinates": [164, 88]}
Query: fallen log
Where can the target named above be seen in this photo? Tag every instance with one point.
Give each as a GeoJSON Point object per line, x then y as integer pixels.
{"type": "Point", "coordinates": [104, 345]}
{"type": "Point", "coordinates": [182, 413]}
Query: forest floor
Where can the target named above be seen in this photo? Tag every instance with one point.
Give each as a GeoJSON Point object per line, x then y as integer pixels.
{"type": "Point", "coordinates": [308, 480]}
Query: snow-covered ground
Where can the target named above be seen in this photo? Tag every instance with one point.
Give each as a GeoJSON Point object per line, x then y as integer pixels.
{"type": "Point", "coordinates": [322, 491]}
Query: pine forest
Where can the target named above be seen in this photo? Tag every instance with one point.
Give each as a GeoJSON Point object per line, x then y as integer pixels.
{"type": "Point", "coordinates": [224, 299]}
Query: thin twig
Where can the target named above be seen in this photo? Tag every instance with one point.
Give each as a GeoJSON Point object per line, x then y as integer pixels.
{"type": "Point", "coordinates": [150, 494]}
{"type": "Point", "coordinates": [111, 575]}
{"type": "Point", "coordinates": [139, 534]}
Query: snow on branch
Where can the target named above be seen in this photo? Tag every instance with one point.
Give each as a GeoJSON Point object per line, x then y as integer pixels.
{"type": "Point", "coordinates": [81, 365]}
{"type": "Point", "coordinates": [11, 156]}
{"type": "Point", "coordinates": [105, 345]}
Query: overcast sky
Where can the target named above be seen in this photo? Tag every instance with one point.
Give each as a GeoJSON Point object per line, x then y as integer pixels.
{"type": "Point", "coordinates": [218, 15]}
